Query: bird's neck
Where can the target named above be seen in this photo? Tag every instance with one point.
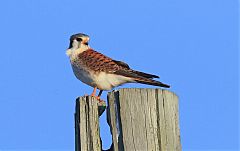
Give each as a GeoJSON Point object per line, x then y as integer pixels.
{"type": "Point", "coordinates": [75, 51]}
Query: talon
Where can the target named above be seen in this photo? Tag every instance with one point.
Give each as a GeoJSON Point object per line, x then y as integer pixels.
{"type": "Point", "coordinates": [99, 99]}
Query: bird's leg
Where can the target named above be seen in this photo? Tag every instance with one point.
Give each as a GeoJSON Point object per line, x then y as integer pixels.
{"type": "Point", "coordinates": [98, 97]}
{"type": "Point", "coordinates": [99, 94]}
{"type": "Point", "coordinates": [94, 92]}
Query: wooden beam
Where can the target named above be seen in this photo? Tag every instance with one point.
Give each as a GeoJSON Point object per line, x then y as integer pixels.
{"type": "Point", "coordinates": [87, 136]}
{"type": "Point", "coordinates": [144, 119]}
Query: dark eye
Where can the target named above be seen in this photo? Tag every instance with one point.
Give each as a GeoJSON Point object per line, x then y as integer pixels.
{"type": "Point", "coordinates": [79, 39]}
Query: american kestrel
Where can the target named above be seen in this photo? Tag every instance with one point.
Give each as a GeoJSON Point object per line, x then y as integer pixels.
{"type": "Point", "coordinates": [100, 71]}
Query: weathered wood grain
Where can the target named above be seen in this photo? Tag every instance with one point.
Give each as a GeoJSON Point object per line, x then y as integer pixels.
{"type": "Point", "coordinates": [87, 136]}
{"type": "Point", "coordinates": [144, 120]}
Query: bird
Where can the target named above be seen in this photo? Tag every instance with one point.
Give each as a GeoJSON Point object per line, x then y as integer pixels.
{"type": "Point", "coordinates": [100, 71]}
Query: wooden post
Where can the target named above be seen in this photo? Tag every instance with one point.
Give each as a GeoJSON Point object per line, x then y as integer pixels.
{"type": "Point", "coordinates": [139, 119]}
{"type": "Point", "coordinates": [144, 120]}
{"type": "Point", "coordinates": [87, 136]}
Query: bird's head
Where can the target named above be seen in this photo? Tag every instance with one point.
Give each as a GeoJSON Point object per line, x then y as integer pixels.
{"type": "Point", "coordinates": [77, 40]}
{"type": "Point", "coordinates": [78, 43]}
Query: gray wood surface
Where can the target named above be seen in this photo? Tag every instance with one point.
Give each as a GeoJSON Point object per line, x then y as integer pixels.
{"type": "Point", "coordinates": [87, 136]}
{"type": "Point", "coordinates": [144, 120]}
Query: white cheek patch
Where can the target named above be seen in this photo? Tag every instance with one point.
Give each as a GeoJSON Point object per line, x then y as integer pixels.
{"type": "Point", "coordinates": [69, 52]}
{"type": "Point", "coordinates": [74, 52]}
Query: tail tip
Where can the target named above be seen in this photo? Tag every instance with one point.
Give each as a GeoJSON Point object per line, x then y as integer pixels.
{"type": "Point", "coordinates": [166, 86]}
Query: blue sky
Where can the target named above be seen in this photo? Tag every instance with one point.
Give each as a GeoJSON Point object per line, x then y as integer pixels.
{"type": "Point", "coordinates": [192, 45]}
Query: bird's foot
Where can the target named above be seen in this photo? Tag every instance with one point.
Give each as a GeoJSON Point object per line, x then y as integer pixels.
{"type": "Point", "coordinates": [100, 101]}
{"type": "Point", "coordinates": [101, 104]}
{"type": "Point", "coordinates": [97, 97]}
